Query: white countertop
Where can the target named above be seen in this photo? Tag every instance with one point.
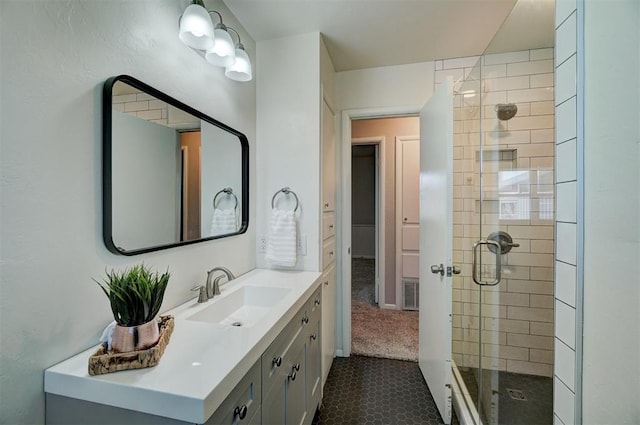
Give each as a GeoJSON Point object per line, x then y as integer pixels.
{"type": "Point", "coordinates": [202, 363]}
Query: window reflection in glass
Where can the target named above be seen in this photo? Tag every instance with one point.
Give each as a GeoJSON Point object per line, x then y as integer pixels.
{"type": "Point", "coordinates": [526, 194]}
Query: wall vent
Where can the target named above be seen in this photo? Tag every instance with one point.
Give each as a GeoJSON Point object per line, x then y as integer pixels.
{"type": "Point", "coordinates": [410, 294]}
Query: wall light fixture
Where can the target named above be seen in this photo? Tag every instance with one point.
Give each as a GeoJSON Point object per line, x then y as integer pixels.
{"type": "Point", "coordinates": [197, 32]}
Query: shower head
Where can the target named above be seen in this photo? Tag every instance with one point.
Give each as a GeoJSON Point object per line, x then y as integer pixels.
{"type": "Point", "coordinates": [506, 111]}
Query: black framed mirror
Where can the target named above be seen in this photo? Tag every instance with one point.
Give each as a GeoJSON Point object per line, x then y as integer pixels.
{"type": "Point", "coordinates": [171, 175]}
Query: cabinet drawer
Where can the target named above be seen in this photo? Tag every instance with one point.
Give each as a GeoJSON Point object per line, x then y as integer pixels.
{"type": "Point", "coordinates": [328, 202]}
{"type": "Point", "coordinates": [329, 277]}
{"type": "Point", "coordinates": [328, 225]}
{"type": "Point", "coordinates": [328, 252]}
{"type": "Point", "coordinates": [244, 401]}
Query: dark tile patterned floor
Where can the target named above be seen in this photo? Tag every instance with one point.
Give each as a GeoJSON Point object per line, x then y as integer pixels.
{"type": "Point", "coordinates": [373, 391]}
{"type": "Point", "coordinates": [537, 409]}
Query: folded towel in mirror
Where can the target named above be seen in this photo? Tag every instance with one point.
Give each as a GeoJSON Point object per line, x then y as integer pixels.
{"type": "Point", "coordinates": [223, 222]}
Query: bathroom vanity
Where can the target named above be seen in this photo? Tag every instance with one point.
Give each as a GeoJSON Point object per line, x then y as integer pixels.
{"type": "Point", "coordinates": [251, 355]}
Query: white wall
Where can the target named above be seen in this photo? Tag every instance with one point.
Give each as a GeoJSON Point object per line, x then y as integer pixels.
{"type": "Point", "coordinates": [55, 56]}
{"type": "Point", "coordinates": [288, 145]}
{"type": "Point", "coordinates": [151, 184]}
{"type": "Point", "coordinates": [611, 371]}
{"type": "Point", "coordinates": [402, 85]}
{"type": "Point", "coordinates": [221, 152]}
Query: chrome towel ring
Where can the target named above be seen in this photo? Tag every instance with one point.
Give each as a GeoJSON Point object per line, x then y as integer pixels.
{"type": "Point", "coordinates": [229, 192]}
{"type": "Point", "coordinates": [286, 191]}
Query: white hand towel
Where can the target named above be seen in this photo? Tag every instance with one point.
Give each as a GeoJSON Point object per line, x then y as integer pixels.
{"type": "Point", "coordinates": [281, 242]}
{"type": "Point", "coordinates": [223, 222]}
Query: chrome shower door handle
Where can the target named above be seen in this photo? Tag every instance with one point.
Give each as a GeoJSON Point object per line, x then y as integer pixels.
{"type": "Point", "coordinates": [477, 278]}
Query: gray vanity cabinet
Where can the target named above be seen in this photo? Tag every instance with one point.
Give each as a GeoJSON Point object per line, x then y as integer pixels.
{"type": "Point", "coordinates": [291, 369]}
{"type": "Point", "coordinates": [241, 407]}
{"type": "Point", "coordinates": [282, 388]}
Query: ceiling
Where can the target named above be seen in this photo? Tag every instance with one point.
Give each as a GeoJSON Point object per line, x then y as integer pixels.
{"type": "Point", "coordinates": [373, 33]}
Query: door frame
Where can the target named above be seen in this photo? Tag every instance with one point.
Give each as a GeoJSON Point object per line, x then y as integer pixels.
{"type": "Point", "coordinates": [380, 216]}
{"type": "Point", "coordinates": [343, 263]}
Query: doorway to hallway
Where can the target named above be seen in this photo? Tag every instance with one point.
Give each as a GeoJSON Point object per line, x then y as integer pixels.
{"type": "Point", "coordinates": [379, 325]}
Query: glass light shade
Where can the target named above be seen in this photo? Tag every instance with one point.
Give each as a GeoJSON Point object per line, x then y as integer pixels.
{"type": "Point", "coordinates": [196, 28]}
{"type": "Point", "coordinates": [222, 53]}
{"type": "Point", "coordinates": [240, 70]}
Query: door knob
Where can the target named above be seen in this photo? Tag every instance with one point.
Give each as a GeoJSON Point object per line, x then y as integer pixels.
{"type": "Point", "coordinates": [435, 269]}
{"type": "Point", "coordinates": [453, 270]}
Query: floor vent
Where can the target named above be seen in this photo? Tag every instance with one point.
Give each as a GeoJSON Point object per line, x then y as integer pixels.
{"type": "Point", "coordinates": [516, 394]}
{"type": "Point", "coordinates": [410, 294]}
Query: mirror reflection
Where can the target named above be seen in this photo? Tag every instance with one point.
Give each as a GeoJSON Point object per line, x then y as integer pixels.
{"type": "Point", "coordinates": [172, 175]}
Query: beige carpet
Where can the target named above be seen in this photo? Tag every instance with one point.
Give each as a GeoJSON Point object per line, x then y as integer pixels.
{"type": "Point", "coordinates": [385, 333]}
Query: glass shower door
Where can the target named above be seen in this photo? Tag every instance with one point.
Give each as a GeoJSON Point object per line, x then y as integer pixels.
{"type": "Point", "coordinates": [513, 256]}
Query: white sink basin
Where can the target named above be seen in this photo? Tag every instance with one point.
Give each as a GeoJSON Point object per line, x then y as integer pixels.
{"type": "Point", "coordinates": [243, 307]}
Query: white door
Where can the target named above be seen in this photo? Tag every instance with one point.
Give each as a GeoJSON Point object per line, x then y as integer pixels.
{"type": "Point", "coordinates": [407, 217]}
{"type": "Point", "coordinates": [436, 234]}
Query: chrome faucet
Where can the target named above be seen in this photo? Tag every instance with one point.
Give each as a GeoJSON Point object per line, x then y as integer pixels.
{"type": "Point", "coordinates": [213, 285]}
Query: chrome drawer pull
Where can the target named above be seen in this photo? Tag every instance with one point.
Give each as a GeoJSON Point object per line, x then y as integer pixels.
{"type": "Point", "coordinates": [240, 412]}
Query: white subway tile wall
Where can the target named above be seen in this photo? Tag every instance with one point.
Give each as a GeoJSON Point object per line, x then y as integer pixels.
{"type": "Point", "coordinates": [518, 197]}
{"type": "Point", "coordinates": [567, 186]}
{"type": "Point", "coordinates": [143, 106]}
{"type": "Point", "coordinates": [563, 402]}
{"type": "Point", "coordinates": [566, 161]}
{"type": "Point", "coordinates": [566, 120]}
{"type": "Point", "coordinates": [565, 363]}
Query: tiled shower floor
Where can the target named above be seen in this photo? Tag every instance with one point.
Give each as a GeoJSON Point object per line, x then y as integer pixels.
{"type": "Point", "coordinates": [537, 409]}
{"type": "Point", "coordinates": [374, 391]}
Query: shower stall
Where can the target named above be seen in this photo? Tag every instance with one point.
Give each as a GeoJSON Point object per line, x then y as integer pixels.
{"type": "Point", "coordinates": [503, 226]}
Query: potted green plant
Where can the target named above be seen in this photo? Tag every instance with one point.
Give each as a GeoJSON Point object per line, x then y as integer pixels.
{"type": "Point", "coordinates": [135, 295]}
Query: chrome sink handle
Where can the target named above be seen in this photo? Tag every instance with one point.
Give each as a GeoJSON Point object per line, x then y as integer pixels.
{"type": "Point", "coordinates": [202, 293]}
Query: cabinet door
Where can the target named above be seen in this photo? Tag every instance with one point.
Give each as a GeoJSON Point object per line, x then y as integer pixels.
{"type": "Point", "coordinates": [273, 405]}
{"type": "Point", "coordinates": [328, 327]}
{"type": "Point", "coordinates": [313, 366]}
{"type": "Point", "coordinates": [295, 394]}
{"type": "Point", "coordinates": [328, 158]}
